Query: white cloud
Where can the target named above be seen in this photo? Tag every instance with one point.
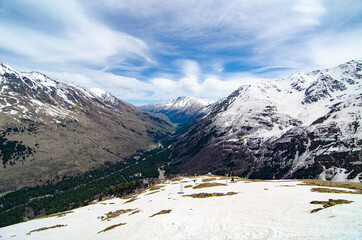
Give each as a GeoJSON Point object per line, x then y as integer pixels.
{"type": "Point", "coordinates": [329, 51]}
{"type": "Point", "coordinates": [77, 38]}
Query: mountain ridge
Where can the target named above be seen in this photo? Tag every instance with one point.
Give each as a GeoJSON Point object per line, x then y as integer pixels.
{"type": "Point", "coordinates": [68, 129]}
{"type": "Point", "coordinates": [182, 109]}
{"type": "Point", "coordinates": [289, 127]}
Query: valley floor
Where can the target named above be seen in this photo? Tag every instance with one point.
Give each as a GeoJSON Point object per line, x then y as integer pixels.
{"type": "Point", "coordinates": [226, 210]}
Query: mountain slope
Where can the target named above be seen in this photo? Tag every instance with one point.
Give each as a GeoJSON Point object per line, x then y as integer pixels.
{"type": "Point", "coordinates": [50, 129]}
{"type": "Point", "coordinates": [291, 127]}
{"type": "Point", "coordinates": [239, 210]}
{"type": "Point", "coordinates": [181, 110]}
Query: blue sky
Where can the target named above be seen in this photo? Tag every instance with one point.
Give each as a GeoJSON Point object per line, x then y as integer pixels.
{"type": "Point", "coordinates": [145, 51]}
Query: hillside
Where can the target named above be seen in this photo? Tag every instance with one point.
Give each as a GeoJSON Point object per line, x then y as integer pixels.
{"type": "Point", "coordinates": [293, 128]}
{"type": "Point", "coordinates": [209, 207]}
{"type": "Point", "coordinates": [181, 110]}
{"type": "Point", "coordinates": [51, 130]}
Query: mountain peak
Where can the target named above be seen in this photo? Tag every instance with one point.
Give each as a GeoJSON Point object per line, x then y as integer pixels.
{"type": "Point", "coordinates": [182, 109]}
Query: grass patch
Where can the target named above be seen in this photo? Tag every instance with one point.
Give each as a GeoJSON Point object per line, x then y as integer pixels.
{"type": "Point", "coordinates": [134, 212]}
{"type": "Point", "coordinates": [176, 179]}
{"type": "Point", "coordinates": [349, 185]}
{"type": "Point", "coordinates": [329, 203]}
{"type": "Point", "coordinates": [115, 214]}
{"type": "Point", "coordinates": [188, 186]}
{"type": "Point", "coordinates": [207, 184]}
{"type": "Point", "coordinates": [161, 212]}
{"type": "Point", "coordinates": [111, 227]}
{"type": "Point", "coordinates": [207, 195]}
{"type": "Point", "coordinates": [208, 179]}
{"type": "Point", "coordinates": [46, 228]}
{"type": "Point", "coordinates": [131, 200]}
{"type": "Point", "coordinates": [61, 214]}
{"type": "Point", "coordinates": [152, 193]}
{"type": "Point", "coordinates": [332, 190]}
{"type": "Point", "coordinates": [156, 187]}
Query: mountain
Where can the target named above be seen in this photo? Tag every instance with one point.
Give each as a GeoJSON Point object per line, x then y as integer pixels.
{"type": "Point", "coordinates": [181, 110]}
{"type": "Point", "coordinates": [50, 130]}
{"type": "Point", "coordinates": [208, 207]}
{"type": "Point", "coordinates": [291, 128]}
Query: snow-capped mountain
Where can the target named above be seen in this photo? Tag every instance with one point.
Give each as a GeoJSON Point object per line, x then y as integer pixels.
{"type": "Point", "coordinates": [182, 109]}
{"type": "Point", "coordinates": [207, 207]}
{"type": "Point", "coordinates": [51, 129]}
{"type": "Point", "coordinates": [290, 127]}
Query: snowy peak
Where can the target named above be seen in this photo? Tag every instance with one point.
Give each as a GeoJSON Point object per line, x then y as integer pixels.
{"type": "Point", "coordinates": [182, 109]}
{"type": "Point", "coordinates": [285, 126]}
{"type": "Point", "coordinates": [180, 104]}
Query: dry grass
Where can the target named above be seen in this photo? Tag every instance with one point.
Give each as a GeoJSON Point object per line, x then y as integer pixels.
{"type": "Point", "coordinates": [329, 203]}
{"type": "Point", "coordinates": [111, 227]}
{"type": "Point", "coordinates": [115, 214]}
{"type": "Point", "coordinates": [207, 195]}
{"type": "Point", "coordinates": [208, 179]}
{"type": "Point", "coordinates": [161, 212]}
{"type": "Point", "coordinates": [152, 193]}
{"type": "Point", "coordinates": [188, 186]}
{"type": "Point", "coordinates": [134, 212]}
{"type": "Point", "coordinates": [62, 214]}
{"type": "Point", "coordinates": [176, 179]}
{"type": "Point", "coordinates": [207, 184]}
{"type": "Point", "coordinates": [332, 190]}
{"type": "Point", "coordinates": [156, 187]}
{"type": "Point", "coordinates": [131, 200]}
{"type": "Point", "coordinates": [349, 185]}
{"type": "Point", "coordinates": [46, 228]}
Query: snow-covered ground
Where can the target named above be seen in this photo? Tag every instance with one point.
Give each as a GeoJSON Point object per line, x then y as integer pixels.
{"type": "Point", "coordinates": [259, 210]}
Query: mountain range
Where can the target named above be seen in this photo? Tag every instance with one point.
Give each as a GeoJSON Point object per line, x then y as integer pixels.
{"type": "Point", "coordinates": [296, 127]}
{"type": "Point", "coordinates": [181, 110]}
{"type": "Point", "coordinates": [289, 128]}
{"type": "Point", "coordinates": [50, 130]}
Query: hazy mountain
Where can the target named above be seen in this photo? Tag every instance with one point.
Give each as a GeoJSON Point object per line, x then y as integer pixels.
{"type": "Point", "coordinates": [181, 110]}
{"type": "Point", "coordinates": [290, 127]}
{"type": "Point", "coordinates": [51, 129]}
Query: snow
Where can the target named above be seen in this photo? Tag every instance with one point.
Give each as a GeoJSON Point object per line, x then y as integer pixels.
{"type": "Point", "coordinates": [259, 210]}
{"type": "Point", "coordinates": [181, 103]}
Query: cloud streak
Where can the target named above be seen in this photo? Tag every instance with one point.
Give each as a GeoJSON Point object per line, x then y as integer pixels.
{"type": "Point", "coordinates": [157, 49]}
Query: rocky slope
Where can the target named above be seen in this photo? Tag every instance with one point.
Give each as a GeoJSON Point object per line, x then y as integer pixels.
{"type": "Point", "coordinates": [181, 110]}
{"type": "Point", "coordinates": [290, 127]}
{"type": "Point", "coordinates": [51, 129]}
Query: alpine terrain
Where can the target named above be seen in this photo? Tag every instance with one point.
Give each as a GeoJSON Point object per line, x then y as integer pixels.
{"type": "Point", "coordinates": [181, 110]}
{"type": "Point", "coordinates": [210, 207]}
{"type": "Point", "coordinates": [296, 127]}
{"type": "Point", "coordinates": [50, 130]}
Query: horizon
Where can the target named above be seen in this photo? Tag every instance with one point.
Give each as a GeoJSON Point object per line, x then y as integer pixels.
{"type": "Point", "coordinates": [149, 51]}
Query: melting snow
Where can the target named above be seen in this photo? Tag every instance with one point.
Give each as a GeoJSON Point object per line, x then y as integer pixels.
{"type": "Point", "coordinates": [259, 210]}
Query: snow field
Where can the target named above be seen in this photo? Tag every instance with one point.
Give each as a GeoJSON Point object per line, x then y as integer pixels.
{"type": "Point", "coordinates": [260, 210]}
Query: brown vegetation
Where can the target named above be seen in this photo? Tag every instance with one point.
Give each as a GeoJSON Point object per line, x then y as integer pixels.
{"type": "Point", "coordinates": [46, 228]}
{"type": "Point", "coordinates": [111, 227]}
{"type": "Point", "coordinates": [206, 195]}
{"type": "Point", "coordinates": [329, 203]}
{"type": "Point", "coordinates": [111, 214]}
{"type": "Point", "coordinates": [207, 184]}
{"type": "Point", "coordinates": [161, 212]}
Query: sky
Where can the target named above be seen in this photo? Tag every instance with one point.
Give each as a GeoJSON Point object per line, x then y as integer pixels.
{"type": "Point", "coordinates": [145, 51]}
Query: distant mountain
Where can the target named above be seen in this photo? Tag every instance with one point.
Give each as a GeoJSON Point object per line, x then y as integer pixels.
{"type": "Point", "coordinates": [182, 109]}
{"type": "Point", "coordinates": [51, 129]}
{"type": "Point", "coordinates": [291, 127]}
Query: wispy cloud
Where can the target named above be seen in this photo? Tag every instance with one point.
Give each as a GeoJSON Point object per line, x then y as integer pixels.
{"type": "Point", "coordinates": [75, 38]}
{"type": "Point", "coordinates": [158, 49]}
